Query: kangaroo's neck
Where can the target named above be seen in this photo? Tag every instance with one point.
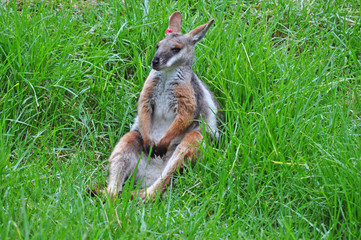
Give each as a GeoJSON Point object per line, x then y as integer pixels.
{"type": "Point", "coordinates": [176, 74]}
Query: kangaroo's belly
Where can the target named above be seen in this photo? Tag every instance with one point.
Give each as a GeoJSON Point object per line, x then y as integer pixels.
{"type": "Point", "coordinates": [162, 117]}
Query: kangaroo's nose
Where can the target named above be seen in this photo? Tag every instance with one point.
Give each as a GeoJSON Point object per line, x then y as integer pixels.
{"type": "Point", "coordinates": [155, 61]}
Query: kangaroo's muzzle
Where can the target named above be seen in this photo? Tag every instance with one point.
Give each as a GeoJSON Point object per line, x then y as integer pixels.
{"type": "Point", "coordinates": [155, 63]}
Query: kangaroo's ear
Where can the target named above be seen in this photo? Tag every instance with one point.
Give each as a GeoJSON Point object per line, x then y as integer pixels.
{"type": "Point", "coordinates": [198, 33]}
{"type": "Point", "coordinates": [175, 22]}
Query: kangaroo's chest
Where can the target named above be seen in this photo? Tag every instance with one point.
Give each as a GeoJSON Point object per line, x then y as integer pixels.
{"type": "Point", "coordinates": [164, 104]}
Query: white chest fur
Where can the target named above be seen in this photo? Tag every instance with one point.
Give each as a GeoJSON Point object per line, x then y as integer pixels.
{"type": "Point", "coordinates": [165, 104]}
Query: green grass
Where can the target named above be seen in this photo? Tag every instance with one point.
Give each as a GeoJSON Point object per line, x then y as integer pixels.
{"type": "Point", "coordinates": [287, 74]}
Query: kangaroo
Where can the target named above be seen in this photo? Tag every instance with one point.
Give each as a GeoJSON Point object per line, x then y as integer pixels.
{"type": "Point", "coordinates": [173, 105]}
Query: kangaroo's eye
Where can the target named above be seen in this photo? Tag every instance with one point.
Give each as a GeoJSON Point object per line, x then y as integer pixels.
{"type": "Point", "coordinates": [157, 46]}
{"type": "Point", "coordinates": [176, 50]}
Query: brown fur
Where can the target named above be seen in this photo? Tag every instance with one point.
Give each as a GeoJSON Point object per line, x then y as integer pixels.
{"type": "Point", "coordinates": [177, 45]}
{"type": "Point", "coordinates": [144, 110]}
{"type": "Point", "coordinates": [197, 30]}
{"type": "Point", "coordinates": [188, 149]}
{"type": "Point", "coordinates": [131, 140]}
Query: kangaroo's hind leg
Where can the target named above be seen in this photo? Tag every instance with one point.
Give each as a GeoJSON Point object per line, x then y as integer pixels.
{"type": "Point", "coordinates": [123, 160]}
{"type": "Point", "coordinates": [185, 151]}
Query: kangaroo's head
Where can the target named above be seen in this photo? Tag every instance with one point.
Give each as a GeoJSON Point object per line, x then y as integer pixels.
{"type": "Point", "coordinates": [176, 49]}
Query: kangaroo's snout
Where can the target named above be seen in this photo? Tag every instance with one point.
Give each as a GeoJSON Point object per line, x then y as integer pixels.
{"type": "Point", "coordinates": [155, 63]}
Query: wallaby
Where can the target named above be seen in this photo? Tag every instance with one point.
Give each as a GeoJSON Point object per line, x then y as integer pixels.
{"type": "Point", "coordinates": [173, 106]}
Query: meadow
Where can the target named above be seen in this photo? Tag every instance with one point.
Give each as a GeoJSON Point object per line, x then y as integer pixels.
{"type": "Point", "coordinates": [287, 75]}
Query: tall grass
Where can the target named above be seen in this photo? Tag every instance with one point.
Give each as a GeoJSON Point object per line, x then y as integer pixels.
{"type": "Point", "coordinates": [286, 73]}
